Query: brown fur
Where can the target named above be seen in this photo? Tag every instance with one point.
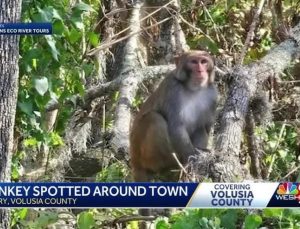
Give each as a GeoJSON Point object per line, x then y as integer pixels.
{"type": "Point", "coordinates": [177, 117]}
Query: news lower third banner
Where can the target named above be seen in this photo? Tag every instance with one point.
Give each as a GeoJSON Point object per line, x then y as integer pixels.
{"type": "Point", "coordinates": [152, 195]}
{"type": "Point", "coordinates": [25, 28]}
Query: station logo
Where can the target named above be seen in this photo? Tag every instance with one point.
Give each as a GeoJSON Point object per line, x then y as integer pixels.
{"type": "Point", "coordinates": [287, 188]}
{"type": "Point", "coordinates": [288, 191]}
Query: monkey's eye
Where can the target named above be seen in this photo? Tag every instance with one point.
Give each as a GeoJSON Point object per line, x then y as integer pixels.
{"type": "Point", "coordinates": [204, 61]}
{"type": "Point", "coordinates": [194, 61]}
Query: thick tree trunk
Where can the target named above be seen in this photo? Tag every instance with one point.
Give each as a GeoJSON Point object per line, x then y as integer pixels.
{"type": "Point", "coordinates": [9, 71]}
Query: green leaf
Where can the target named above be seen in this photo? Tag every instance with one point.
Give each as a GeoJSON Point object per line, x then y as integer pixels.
{"type": "Point", "coordinates": [23, 213]}
{"type": "Point", "coordinates": [273, 212]}
{"type": "Point", "coordinates": [56, 15]}
{"type": "Point", "coordinates": [88, 68]}
{"type": "Point", "coordinates": [34, 53]}
{"type": "Point", "coordinates": [45, 14]}
{"type": "Point", "coordinates": [45, 219]}
{"type": "Point", "coordinates": [34, 63]}
{"type": "Point", "coordinates": [18, 215]}
{"type": "Point", "coordinates": [210, 45]}
{"type": "Point", "coordinates": [133, 225]}
{"type": "Point", "coordinates": [162, 224]}
{"type": "Point", "coordinates": [74, 36]}
{"type": "Point", "coordinates": [79, 87]}
{"type": "Point", "coordinates": [282, 153]}
{"type": "Point", "coordinates": [209, 213]}
{"type": "Point", "coordinates": [204, 223]}
{"type": "Point", "coordinates": [26, 107]}
{"type": "Point", "coordinates": [190, 220]}
{"type": "Point", "coordinates": [272, 144]}
{"type": "Point", "coordinates": [204, 42]}
{"type": "Point", "coordinates": [14, 172]}
{"type": "Point", "coordinates": [41, 85]}
{"type": "Point", "coordinates": [58, 27]}
{"type": "Point", "coordinates": [30, 142]}
{"type": "Point", "coordinates": [252, 221]}
{"type": "Point", "coordinates": [94, 38]}
{"type": "Point", "coordinates": [51, 42]}
{"type": "Point", "coordinates": [83, 7]}
{"type": "Point", "coordinates": [37, 113]}
{"type": "Point", "coordinates": [85, 220]}
{"type": "Point", "coordinates": [293, 213]}
{"type": "Point", "coordinates": [229, 219]}
{"type": "Point", "coordinates": [77, 22]}
{"type": "Point", "coordinates": [56, 140]}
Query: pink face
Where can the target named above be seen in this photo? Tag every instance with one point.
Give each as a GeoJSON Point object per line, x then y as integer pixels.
{"type": "Point", "coordinates": [199, 67]}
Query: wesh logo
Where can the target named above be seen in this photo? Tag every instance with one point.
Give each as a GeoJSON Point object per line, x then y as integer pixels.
{"type": "Point", "coordinates": [288, 191]}
{"type": "Point", "coordinates": [287, 188]}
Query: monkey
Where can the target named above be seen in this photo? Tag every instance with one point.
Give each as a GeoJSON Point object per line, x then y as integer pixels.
{"type": "Point", "coordinates": [176, 118]}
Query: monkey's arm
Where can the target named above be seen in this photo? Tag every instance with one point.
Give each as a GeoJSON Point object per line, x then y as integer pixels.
{"type": "Point", "coordinates": [212, 110]}
{"type": "Point", "coordinates": [177, 129]}
{"type": "Point", "coordinates": [181, 141]}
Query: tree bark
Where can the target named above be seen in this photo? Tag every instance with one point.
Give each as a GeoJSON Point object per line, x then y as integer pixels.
{"type": "Point", "coordinates": [9, 71]}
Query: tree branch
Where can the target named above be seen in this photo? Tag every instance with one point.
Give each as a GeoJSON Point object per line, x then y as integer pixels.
{"type": "Point", "coordinates": [250, 34]}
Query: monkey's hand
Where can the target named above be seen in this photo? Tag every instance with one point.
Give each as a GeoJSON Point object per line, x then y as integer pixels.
{"type": "Point", "coordinates": [199, 150]}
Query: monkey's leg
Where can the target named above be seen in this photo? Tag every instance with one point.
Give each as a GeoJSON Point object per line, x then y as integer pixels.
{"type": "Point", "coordinates": [150, 147]}
{"type": "Point", "coordinates": [154, 152]}
{"type": "Point", "coordinates": [141, 175]}
{"type": "Point", "coordinates": [160, 152]}
{"type": "Point", "coordinates": [156, 147]}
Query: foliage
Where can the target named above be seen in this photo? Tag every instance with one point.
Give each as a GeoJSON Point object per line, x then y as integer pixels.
{"type": "Point", "coordinates": [225, 24]}
{"type": "Point", "coordinates": [280, 146]}
{"type": "Point", "coordinates": [199, 218]}
{"type": "Point", "coordinates": [52, 67]}
{"type": "Point", "coordinates": [231, 219]}
{"type": "Point", "coordinates": [16, 165]}
{"type": "Point", "coordinates": [85, 220]}
{"type": "Point", "coordinates": [116, 172]}
{"type": "Point", "coordinates": [18, 215]}
{"type": "Point", "coordinates": [42, 220]}
{"type": "Point", "coordinates": [99, 218]}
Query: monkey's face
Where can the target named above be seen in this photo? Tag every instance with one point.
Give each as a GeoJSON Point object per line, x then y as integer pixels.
{"type": "Point", "coordinates": [195, 68]}
{"type": "Point", "coordinates": [199, 67]}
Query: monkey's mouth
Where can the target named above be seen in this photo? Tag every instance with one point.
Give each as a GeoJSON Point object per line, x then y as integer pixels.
{"type": "Point", "coordinates": [200, 76]}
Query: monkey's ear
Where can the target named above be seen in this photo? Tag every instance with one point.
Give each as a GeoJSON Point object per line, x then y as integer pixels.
{"type": "Point", "coordinates": [211, 79]}
{"type": "Point", "coordinates": [178, 58]}
{"type": "Point", "coordinates": [213, 60]}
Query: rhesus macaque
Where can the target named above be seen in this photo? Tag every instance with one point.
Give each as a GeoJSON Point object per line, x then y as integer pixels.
{"type": "Point", "coordinates": [176, 118]}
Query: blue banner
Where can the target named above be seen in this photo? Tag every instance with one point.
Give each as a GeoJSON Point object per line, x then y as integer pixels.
{"type": "Point", "coordinates": [150, 195]}
{"type": "Point", "coordinates": [25, 28]}
{"type": "Point", "coordinates": [95, 194]}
